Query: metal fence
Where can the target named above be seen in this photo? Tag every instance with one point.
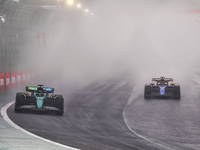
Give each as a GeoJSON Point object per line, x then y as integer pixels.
{"type": "Point", "coordinates": [22, 24]}
{"type": "Point", "coordinates": [43, 2]}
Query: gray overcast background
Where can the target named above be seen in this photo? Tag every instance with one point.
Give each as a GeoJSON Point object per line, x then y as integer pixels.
{"type": "Point", "coordinates": [145, 38]}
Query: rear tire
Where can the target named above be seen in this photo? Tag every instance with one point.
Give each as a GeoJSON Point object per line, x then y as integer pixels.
{"type": "Point", "coordinates": [19, 101]}
{"type": "Point", "coordinates": [147, 91]}
{"type": "Point", "coordinates": [59, 103]}
{"type": "Point", "coordinates": [177, 92]}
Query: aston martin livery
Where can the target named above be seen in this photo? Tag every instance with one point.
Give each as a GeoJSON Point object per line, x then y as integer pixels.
{"type": "Point", "coordinates": [39, 98]}
{"type": "Point", "coordinates": [162, 87]}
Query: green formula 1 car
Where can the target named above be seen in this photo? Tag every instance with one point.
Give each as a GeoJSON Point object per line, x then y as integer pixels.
{"type": "Point", "coordinates": [40, 99]}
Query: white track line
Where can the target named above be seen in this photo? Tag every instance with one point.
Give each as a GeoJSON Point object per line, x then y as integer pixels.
{"type": "Point", "coordinates": [140, 136]}
{"type": "Point", "coordinates": [7, 119]}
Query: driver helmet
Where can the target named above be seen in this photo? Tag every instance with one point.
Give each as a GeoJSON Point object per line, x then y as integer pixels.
{"type": "Point", "coordinates": [162, 78]}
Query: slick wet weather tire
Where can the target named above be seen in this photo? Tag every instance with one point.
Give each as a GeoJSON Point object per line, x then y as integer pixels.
{"type": "Point", "coordinates": [59, 103]}
{"type": "Point", "coordinates": [177, 92]}
{"type": "Point", "coordinates": [19, 101]}
{"type": "Point", "coordinates": [147, 91]}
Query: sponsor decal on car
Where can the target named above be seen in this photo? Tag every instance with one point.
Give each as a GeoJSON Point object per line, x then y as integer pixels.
{"type": "Point", "coordinates": [162, 90]}
{"type": "Point", "coordinates": [47, 89]}
{"type": "Point", "coordinates": [27, 106]}
{"type": "Point", "coordinates": [50, 108]}
{"type": "Point", "coordinates": [40, 101]}
{"type": "Point", "coordinates": [32, 88]}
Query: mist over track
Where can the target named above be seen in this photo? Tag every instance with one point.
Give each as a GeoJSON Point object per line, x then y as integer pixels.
{"type": "Point", "coordinates": [111, 115]}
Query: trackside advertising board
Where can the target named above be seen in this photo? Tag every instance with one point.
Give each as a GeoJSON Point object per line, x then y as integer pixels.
{"type": "Point", "coordinates": [193, 14]}
{"type": "Point", "coordinates": [19, 78]}
{"type": "Point", "coordinates": [2, 82]}
{"type": "Point", "coordinates": [13, 79]}
{"type": "Point", "coordinates": [7, 80]}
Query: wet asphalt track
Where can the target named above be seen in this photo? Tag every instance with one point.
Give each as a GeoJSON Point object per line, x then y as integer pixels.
{"type": "Point", "coordinates": [94, 119]}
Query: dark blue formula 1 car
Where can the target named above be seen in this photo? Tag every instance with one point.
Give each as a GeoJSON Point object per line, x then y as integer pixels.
{"type": "Point", "coordinates": [40, 99]}
{"type": "Point", "coordinates": [162, 87]}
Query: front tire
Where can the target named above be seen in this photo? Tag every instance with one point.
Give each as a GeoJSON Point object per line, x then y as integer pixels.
{"type": "Point", "coordinates": [147, 91]}
{"type": "Point", "coordinates": [19, 101]}
{"type": "Point", "coordinates": [177, 92]}
{"type": "Point", "coordinates": [59, 103]}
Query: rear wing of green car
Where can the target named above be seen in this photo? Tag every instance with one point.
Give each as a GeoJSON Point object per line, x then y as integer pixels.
{"type": "Point", "coordinates": [35, 89]}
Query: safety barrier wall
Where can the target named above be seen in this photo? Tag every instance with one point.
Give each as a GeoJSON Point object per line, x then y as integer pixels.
{"type": "Point", "coordinates": [10, 80]}
{"type": "Point", "coordinates": [13, 79]}
{"type": "Point", "coordinates": [2, 83]}
{"type": "Point", "coordinates": [19, 78]}
{"type": "Point", "coordinates": [7, 80]}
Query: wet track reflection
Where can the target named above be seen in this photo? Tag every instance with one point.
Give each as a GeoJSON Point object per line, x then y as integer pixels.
{"type": "Point", "coordinates": [94, 119]}
{"type": "Point", "coordinates": [171, 123]}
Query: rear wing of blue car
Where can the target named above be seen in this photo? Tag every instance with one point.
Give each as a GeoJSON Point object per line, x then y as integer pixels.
{"type": "Point", "coordinates": [165, 79]}
{"type": "Point", "coordinates": [35, 89]}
